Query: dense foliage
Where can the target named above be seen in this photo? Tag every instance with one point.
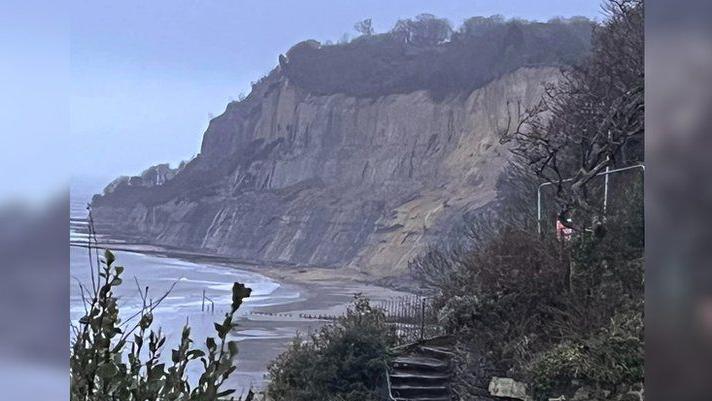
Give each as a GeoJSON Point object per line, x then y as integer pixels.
{"type": "Point", "coordinates": [556, 315]}
{"type": "Point", "coordinates": [343, 361]}
{"type": "Point", "coordinates": [115, 360]}
{"type": "Point", "coordinates": [425, 53]}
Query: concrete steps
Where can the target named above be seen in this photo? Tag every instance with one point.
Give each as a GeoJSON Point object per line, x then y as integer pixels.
{"type": "Point", "coordinates": [420, 363]}
{"type": "Point", "coordinates": [421, 372]}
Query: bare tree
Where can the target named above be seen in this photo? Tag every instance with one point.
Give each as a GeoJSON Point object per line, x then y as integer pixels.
{"type": "Point", "coordinates": [592, 118]}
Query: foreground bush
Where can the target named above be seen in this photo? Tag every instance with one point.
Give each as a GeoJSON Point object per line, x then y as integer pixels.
{"type": "Point", "coordinates": [115, 360]}
{"type": "Point", "coordinates": [343, 361]}
{"type": "Point", "coordinates": [610, 357]}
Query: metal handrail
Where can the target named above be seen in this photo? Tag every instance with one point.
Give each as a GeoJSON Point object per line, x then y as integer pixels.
{"type": "Point", "coordinates": [388, 383]}
{"type": "Point", "coordinates": [604, 173]}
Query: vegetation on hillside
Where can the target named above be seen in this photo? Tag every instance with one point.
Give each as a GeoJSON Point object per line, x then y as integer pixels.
{"type": "Point", "coordinates": [556, 315]}
{"type": "Point", "coordinates": [426, 53]}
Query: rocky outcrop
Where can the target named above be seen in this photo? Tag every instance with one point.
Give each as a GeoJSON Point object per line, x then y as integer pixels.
{"type": "Point", "coordinates": [509, 388]}
{"type": "Point", "coordinates": [329, 180]}
{"type": "Point", "coordinates": [152, 176]}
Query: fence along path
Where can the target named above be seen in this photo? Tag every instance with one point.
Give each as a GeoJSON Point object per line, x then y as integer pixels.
{"type": "Point", "coordinates": [413, 317]}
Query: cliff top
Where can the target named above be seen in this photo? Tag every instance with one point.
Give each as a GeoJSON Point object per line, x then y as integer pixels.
{"type": "Point", "coordinates": [425, 53]}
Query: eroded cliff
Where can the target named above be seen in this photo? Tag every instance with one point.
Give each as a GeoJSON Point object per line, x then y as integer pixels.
{"type": "Point", "coordinates": [359, 169]}
{"type": "Point", "coordinates": [286, 176]}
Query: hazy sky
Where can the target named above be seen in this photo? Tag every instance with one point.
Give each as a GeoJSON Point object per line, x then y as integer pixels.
{"type": "Point", "coordinates": [146, 75]}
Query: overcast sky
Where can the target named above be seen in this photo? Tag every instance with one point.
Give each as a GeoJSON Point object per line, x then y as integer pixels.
{"type": "Point", "coordinates": [146, 75]}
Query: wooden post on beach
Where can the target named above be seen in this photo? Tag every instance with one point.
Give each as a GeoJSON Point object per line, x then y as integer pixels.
{"type": "Point", "coordinates": [422, 319]}
{"type": "Point", "coordinates": [202, 307]}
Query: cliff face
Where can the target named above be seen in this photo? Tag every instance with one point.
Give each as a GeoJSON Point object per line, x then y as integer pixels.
{"type": "Point", "coordinates": [327, 180]}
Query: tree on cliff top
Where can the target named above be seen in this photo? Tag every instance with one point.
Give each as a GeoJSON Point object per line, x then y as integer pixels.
{"type": "Point", "coordinates": [364, 27]}
{"type": "Point", "coordinates": [423, 30]}
{"type": "Point", "coordinates": [426, 53]}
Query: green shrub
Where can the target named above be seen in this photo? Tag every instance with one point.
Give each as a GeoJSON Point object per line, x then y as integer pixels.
{"type": "Point", "coordinates": [612, 356]}
{"type": "Point", "coordinates": [101, 368]}
{"type": "Point", "coordinates": [511, 290]}
{"type": "Point", "coordinates": [554, 370]}
{"type": "Point", "coordinates": [343, 361]}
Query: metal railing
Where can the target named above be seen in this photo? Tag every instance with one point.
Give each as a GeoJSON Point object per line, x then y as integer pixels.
{"type": "Point", "coordinates": [412, 317]}
{"type": "Point", "coordinates": [605, 200]}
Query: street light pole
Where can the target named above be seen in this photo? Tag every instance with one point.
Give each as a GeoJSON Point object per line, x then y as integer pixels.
{"type": "Point", "coordinates": [605, 179]}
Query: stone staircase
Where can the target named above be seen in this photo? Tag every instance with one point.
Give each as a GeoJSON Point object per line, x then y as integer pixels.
{"type": "Point", "coordinates": [421, 372]}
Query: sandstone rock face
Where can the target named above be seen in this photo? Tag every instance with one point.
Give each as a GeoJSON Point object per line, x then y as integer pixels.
{"type": "Point", "coordinates": [327, 180]}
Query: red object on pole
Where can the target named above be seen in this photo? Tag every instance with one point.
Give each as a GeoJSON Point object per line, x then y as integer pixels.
{"type": "Point", "coordinates": [563, 233]}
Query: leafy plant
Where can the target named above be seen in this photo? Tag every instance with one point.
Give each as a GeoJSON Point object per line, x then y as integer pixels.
{"type": "Point", "coordinates": [115, 360]}
{"type": "Point", "coordinates": [343, 361]}
{"type": "Point", "coordinates": [608, 358]}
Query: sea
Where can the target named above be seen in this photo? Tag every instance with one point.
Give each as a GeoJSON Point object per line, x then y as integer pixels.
{"type": "Point", "coordinates": [200, 294]}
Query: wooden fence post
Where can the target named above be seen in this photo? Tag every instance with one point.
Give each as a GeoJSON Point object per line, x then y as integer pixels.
{"type": "Point", "coordinates": [422, 319]}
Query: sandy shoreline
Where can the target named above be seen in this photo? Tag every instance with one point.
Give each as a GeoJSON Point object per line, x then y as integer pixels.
{"type": "Point", "coordinates": [283, 272]}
